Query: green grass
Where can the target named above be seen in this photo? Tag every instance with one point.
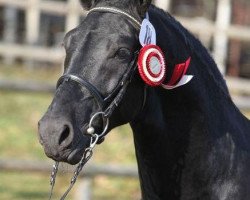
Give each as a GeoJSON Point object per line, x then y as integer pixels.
{"type": "Point", "coordinates": [25, 186]}
{"type": "Point", "coordinates": [19, 114]}
{"type": "Point", "coordinates": [18, 140]}
{"type": "Point", "coordinates": [48, 74]}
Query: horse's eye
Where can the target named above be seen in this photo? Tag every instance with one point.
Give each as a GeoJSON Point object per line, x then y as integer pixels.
{"type": "Point", "coordinates": [123, 53]}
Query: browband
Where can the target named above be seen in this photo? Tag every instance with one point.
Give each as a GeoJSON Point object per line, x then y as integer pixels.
{"type": "Point", "coordinates": [117, 11]}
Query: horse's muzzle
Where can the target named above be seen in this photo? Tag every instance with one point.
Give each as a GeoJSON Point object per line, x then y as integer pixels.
{"type": "Point", "coordinates": [59, 140]}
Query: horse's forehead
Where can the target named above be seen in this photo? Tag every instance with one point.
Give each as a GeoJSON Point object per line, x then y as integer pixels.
{"type": "Point", "coordinates": [106, 23]}
{"type": "Point", "coordinates": [102, 30]}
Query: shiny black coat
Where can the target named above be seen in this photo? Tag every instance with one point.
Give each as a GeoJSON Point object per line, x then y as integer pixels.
{"type": "Point", "coordinates": [191, 143]}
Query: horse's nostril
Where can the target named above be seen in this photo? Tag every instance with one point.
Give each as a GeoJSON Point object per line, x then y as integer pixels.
{"type": "Point", "coordinates": [65, 134]}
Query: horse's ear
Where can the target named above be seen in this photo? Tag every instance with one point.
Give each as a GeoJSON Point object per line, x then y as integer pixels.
{"type": "Point", "coordinates": [87, 4]}
{"type": "Point", "coordinates": [143, 7]}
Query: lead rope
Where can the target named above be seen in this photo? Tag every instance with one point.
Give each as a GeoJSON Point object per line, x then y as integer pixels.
{"type": "Point", "coordinates": [85, 158]}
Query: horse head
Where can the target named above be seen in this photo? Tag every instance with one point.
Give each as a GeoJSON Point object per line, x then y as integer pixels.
{"type": "Point", "coordinates": [100, 88]}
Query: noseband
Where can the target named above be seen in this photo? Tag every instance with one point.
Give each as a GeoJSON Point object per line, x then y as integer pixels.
{"type": "Point", "coordinates": [107, 104]}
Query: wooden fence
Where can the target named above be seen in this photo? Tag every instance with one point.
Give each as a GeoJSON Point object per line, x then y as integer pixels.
{"type": "Point", "coordinates": [239, 89]}
{"type": "Point", "coordinates": [84, 184]}
{"type": "Point", "coordinates": [219, 31]}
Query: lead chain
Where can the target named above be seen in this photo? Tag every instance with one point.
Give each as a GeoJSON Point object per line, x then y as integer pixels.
{"type": "Point", "coordinates": [85, 158]}
{"type": "Point", "coordinates": [87, 155]}
{"type": "Point", "coordinates": [53, 178]}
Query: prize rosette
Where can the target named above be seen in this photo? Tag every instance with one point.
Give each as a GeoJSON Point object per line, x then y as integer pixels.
{"type": "Point", "coordinates": [151, 65]}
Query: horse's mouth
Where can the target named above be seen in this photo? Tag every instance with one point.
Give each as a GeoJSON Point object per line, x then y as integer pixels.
{"type": "Point", "coordinates": [70, 156]}
{"type": "Point", "coordinates": [75, 156]}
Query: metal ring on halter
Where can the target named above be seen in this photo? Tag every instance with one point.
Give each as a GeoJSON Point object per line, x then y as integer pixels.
{"type": "Point", "coordinates": [91, 129]}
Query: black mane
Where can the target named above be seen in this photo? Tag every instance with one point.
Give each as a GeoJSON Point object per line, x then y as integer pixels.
{"type": "Point", "coordinates": [208, 86]}
{"type": "Point", "coordinates": [193, 45]}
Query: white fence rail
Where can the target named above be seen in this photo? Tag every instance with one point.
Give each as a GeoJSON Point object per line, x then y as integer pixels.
{"type": "Point", "coordinates": [54, 55]}
{"type": "Point", "coordinates": [33, 9]}
{"type": "Point", "coordinates": [221, 30]}
{"type": "Point", "coordinates": [239, 88]}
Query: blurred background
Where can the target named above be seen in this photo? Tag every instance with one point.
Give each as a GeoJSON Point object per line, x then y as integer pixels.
{"type": "Point", "coordinates": [31, 59]}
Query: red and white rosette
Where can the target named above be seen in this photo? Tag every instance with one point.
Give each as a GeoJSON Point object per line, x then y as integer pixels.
{"type": "Point", "coordinates": [151, 65]}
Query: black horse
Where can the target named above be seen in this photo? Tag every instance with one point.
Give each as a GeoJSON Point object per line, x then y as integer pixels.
{"type": "Point", "coordinates": [192, 143]}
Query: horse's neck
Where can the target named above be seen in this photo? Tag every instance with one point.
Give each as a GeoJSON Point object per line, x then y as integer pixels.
{"type": "Point", "coordinates": [191, 141]}
{"type": "Point", "coordinates": [181, 145]}
{"type": "Point", "coordinates": [160, 142]}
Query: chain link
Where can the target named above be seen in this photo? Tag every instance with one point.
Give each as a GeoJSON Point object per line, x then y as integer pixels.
{"type": "Point", "coordinates": [85, 158]}
{"type": "Point", "coordinates": [87, 155]}
{"type": "Point", "coordinates": [53, 178]}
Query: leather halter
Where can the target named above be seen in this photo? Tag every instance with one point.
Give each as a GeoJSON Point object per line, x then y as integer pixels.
{"type": "Point", "coordinates": [83, 83]}
{"type": "Point", "coordinates": [106, 104]}
{"type": "Point", "coordinates": [109, 103]}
